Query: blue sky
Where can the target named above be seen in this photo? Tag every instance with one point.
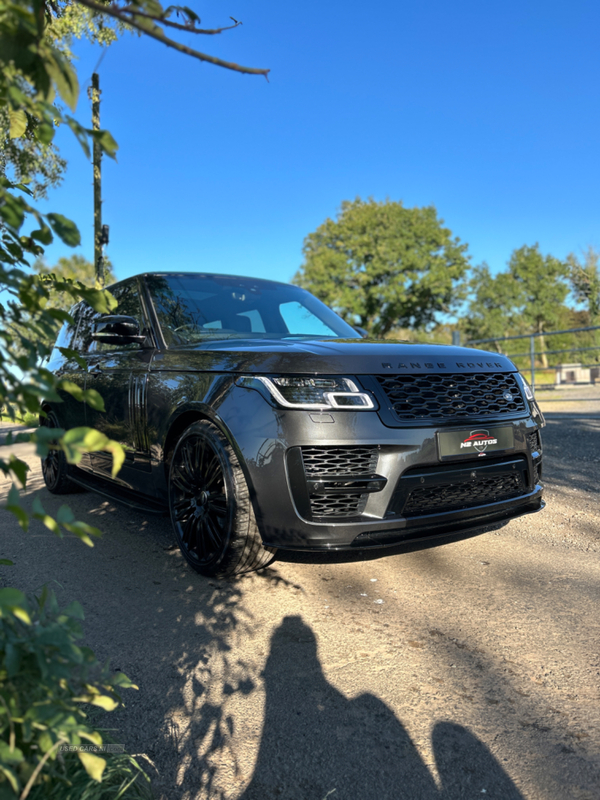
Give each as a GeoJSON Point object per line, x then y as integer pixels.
{"type": "Point", "coordinates": [489, 111]}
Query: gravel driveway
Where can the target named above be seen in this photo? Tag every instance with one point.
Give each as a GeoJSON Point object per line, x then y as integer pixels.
{"type": "Point", "coordinates": [463, 671]}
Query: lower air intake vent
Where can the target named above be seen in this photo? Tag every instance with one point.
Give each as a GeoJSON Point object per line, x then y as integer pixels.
{"type": "Point", "coordinates": [436, 499]}
{"type": "Point", "coordinates": [339, 460]}
{"type": "Point", "coordinates": [337, 505]}
{"type": "Point", "coordinates": [533, 442]}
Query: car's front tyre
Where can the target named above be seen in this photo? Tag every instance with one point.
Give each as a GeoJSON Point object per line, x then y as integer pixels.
{"type": "Point", "coordinates": [213, 519]}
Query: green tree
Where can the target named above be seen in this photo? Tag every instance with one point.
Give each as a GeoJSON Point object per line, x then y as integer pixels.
{"type": "Point", "coordinates": [584, 277]}
{"type": "Point", "coordinates": [542, 290]}
{"type": "Point", "coordinates": [492, 310]}
{"type": "Point", "coordinates": [383, 266]}
{"type": "Point", "coordinates": [71, 268]}
{"type": "Point", "coordinates": [529, 297]}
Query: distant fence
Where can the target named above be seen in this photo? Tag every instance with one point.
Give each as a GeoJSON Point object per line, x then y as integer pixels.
{"type": "Point", "coordinates": [569, 373]}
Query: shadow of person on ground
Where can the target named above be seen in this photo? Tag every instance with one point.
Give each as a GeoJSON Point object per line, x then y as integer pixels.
{"type": "Point", "coordinates": [318, 744]}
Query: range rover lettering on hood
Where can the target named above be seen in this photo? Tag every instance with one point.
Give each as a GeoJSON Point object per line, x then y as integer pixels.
{"type": "Point", "coordinates": [443, 365]}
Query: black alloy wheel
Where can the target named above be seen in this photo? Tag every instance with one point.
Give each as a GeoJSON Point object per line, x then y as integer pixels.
{"type": "Point", "coordinates": [210, 507]}
{"type": "Point", "coordinates": [54, 466]}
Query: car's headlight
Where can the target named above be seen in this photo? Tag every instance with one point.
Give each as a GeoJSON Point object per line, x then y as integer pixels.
{"type": "Point", "coordinates": [322, 393]}
{"type": "Point", "coordinates": [528, 390]}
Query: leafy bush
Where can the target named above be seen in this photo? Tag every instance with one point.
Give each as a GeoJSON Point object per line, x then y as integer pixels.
{"type": "Point", "coordinates": [47, 685]}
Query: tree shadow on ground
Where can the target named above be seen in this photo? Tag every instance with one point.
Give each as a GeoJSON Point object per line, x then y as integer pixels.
{"type": "Point", "coordinates": [316, 743]}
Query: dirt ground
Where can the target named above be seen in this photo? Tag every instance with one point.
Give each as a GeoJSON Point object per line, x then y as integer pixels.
{"type": "Point", "coordinates": [462, 671]}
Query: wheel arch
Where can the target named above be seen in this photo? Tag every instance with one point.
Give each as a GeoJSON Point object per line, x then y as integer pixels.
{"type": "Point", "coordinates": [183, 420]}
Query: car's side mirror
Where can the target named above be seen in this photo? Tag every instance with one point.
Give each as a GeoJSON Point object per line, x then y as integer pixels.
{"type": "Point", "coordinates": [117, 329]}
{"type": "Point", "coordinates": [365, 334]}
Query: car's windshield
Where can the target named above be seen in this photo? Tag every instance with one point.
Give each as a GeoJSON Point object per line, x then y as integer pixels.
{"type": "Point", "coordinates": [193, 308]}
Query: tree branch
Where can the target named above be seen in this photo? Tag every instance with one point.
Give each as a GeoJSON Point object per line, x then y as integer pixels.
{"type": "Point", "coordinates": [113, 11]}
{"type": "Point", "coordinates": [177, 25]}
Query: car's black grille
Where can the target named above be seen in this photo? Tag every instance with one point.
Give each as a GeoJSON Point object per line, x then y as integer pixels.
{"type": "Point", "coordinates": [340, 460]}
{"type": "Point", "coordinates": [337, 505]}
{"type": "Point", "coordinates": [436, 499]}
{"type": "Point", "coordinates": [452, 397]}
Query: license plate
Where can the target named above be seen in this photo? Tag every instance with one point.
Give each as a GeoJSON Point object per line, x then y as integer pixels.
{"type": "Point", "coordinates": [475, 443]}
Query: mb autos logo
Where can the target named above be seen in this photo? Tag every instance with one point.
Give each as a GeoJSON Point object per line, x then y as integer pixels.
{"type": "Point", "coordinates": [478, 440]}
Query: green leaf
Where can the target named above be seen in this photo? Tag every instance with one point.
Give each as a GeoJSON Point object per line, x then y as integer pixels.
{"type": "Point", "coordinates": [12, 661]}
{"type": "Point", "coordinates": [100, 700]}
{"type": "Point", "coordinates": [11, 778]}
{"type": "Point", "coordinates": [87, 440]}
{"type": "Point", "coordinates": [94, 765]}
{"type": "Point", "coordinates": [43, 235]}
{"type": "Point", "coordinates": [65, 229]}
{"type": "Point", "coordinates": [94, 400]}
{"type": "Point", "coordinates": [10, 755]}
{"type": "Point", "coordinates": [44, 132]}
{"type": "Point", "coordinates": [6, 562]}
{"type": "Point", "coordinates": [64, 77]}
{"type": "Point", "coordinates": [18, 123]}
{"type": "Point", "coordinates": [75, 610]}
{"type": "Point", "coordinates": [64, 515]}
{"type": "Point", "coordinates": [13, 601]}
{"type": "Point", "coordinates": [19, 468]}
{"type": "Point", "coordinates": [46, 519]}
{"type": "Point", "coordinates": [106, 142]}
{"type": "Point", "coordinates": [72, 388]}
{"type": "Point", "coordinates": [83, 531]}
{"type": "Point", "coordinates": [13, 504]}
{"type": "Point", "coordinates": [12, 211]}
{"type": "Point", "coordinates": [122, 681]}
{"type": "Point", "coordinates": [67, 352]}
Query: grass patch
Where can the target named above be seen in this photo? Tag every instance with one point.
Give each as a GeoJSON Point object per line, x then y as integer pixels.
{"type": "Point", "coordinates": [122, 778]}
{"type": "Point", "coordinates": [29, 419]}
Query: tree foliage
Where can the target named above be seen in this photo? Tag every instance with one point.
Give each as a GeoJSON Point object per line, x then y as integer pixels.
{"type": "Point", "coordinates": [542, 288]}
{"type": "Point", "coordinates": [585, 282]}
{"type": "Point", "coordinates": [72, 269]}
{"type": "Point", "coordinates": [23, 156]}
{"type": "Point", "coordinates": [528, 297]}
{"type": "Point", "coordinates": [46, 678]}
{"type": "Point", "coordinates": [383, 266]}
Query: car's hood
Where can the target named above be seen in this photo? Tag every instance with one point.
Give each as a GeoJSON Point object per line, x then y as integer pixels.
{"type": "Point", "coordinates": [327, 356]}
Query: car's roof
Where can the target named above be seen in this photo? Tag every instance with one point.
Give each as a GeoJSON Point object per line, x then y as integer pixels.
{"type": "Point", "coordinates": [247, 278]}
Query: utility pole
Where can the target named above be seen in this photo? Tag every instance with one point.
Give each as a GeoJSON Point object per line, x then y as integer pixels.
{"type": "Point", "coordinates": [97, 161]}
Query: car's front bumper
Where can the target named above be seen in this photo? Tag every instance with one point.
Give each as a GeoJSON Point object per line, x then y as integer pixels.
{"type": "Point", "coordinates": [272, 444]}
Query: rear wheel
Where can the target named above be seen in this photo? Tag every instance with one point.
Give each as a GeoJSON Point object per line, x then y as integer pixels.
{"type": "Point", "coordinates": [54, 465]}
{"type": "Point", "coordinates": [210, 506]}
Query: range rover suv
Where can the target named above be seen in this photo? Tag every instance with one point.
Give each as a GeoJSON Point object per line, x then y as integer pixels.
{"type": "Point", "coordinates": [258, 419]}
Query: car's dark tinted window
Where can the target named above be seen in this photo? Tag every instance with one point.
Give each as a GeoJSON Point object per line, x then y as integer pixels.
{"type": "Point", "coordinates": [127, 297]}
{"type": "Point", "coordinates": [191, 308]}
